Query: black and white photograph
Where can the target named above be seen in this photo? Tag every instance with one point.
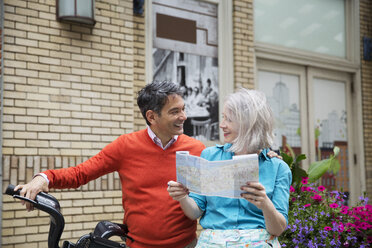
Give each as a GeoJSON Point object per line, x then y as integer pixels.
{"type": "Point", "coordinates": [189, 58]}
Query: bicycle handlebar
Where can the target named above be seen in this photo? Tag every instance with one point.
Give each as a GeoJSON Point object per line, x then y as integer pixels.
{"type": "Point", "coordinates": [48, 204]}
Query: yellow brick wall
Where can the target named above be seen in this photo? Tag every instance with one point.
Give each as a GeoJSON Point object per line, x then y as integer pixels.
{"type": "Point", "coordinates": [366, 30]}
{"type": "Point", "coordinates": [68, 91]}
{"type": "Point", "coordinates": [243, 40]}
{"type": "Point", "coordinates": [139, 68]}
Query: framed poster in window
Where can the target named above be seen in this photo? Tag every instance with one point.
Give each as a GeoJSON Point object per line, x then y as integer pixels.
{"type": "Point", "coordinates": [185, 49]}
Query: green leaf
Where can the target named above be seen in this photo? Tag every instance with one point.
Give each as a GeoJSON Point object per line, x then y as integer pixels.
{"type": "Point", "coordinates": [300, 158]}
{"type": "Point", "coordinates": [298, 173]}
{"type": "Point", "coordinates": [317, 169]}
{"type": "Point", "coordinates": [286, 158]}
{"type": "Point", "coordinates": [335, 165]}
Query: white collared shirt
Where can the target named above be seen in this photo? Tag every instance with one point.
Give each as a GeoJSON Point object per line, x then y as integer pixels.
{"type": "Point", "coordinates": [157, 141]}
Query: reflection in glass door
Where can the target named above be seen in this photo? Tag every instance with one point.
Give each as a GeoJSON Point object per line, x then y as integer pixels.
{"type": "Point", "coordinates": [282, 92]}
{"type": "Point", "coordinates": [330, 128]}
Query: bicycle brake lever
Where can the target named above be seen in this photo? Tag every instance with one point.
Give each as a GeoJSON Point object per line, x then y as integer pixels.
{"type": "Point", "coordinates": [25, 199]}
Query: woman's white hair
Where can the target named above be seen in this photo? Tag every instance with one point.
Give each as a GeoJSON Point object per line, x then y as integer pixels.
{"type": "Point", "coordinates": [250, 110]}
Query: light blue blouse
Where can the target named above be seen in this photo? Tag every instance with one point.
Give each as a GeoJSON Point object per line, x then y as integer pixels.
{"type": "Point", "coordinates": [230, 213]}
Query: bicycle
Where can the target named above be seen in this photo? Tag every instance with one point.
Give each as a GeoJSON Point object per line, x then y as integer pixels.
{"type": "Point", "coordinates": [99, 238]}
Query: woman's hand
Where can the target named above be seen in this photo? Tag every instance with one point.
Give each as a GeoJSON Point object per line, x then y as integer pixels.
{"type": "Point", "coordinates": [177, 190]}
{"type": "Point", "coordinates": [256, 194]}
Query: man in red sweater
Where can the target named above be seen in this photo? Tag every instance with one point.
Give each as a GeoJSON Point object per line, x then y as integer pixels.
{"type": "Point", "coordinates": [145, 161]}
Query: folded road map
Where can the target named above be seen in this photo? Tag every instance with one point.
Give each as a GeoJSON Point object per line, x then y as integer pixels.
{"type": "Point", "coordinates": [216, 178]}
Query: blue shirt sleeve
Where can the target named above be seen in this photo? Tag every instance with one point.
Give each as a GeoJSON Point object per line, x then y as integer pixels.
{"type": "Point", "coordinates": [280, 197]}
{"type": "Point", "coordinates": [200, 200]}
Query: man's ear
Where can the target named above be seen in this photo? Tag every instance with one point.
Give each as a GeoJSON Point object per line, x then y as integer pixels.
{"type": "Point", "coordinates": [150, 116]}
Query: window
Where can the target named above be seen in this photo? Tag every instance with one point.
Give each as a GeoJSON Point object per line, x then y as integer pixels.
{"type": "Point", "coordinates": [316, 26]}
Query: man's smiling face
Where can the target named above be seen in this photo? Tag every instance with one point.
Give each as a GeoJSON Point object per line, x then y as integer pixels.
{"type": "Point", "coordinates": [171, 119]}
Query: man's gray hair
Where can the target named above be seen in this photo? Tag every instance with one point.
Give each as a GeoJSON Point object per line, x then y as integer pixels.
{"type": "Point", "coordinates": [250, 110]}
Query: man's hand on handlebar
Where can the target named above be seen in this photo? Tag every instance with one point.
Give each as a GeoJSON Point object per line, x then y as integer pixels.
{"type": "Point", "coordinates": [30, 190]}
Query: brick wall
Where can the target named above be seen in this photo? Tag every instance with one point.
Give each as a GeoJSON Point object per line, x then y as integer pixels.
{"type": "Point", "coordinates": [243, 44]}
{"type": "Point", "coordinates": [139, 67]}
{"type": "Point", "coordinates": [68, 91]}
{"type": "Point", "coordinates": [366, 30]}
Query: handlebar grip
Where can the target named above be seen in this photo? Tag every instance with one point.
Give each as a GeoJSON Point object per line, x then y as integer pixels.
{"type": "Point", "coordinates": [16, 194]}
{"type": "Point", "coordinates": [49, 204]}
{"type": "Point", "coordinates": [10, 190]}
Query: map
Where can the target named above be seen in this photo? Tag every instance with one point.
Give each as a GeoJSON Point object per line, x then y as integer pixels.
{"type": "Point", "coordinates": [216, 178]}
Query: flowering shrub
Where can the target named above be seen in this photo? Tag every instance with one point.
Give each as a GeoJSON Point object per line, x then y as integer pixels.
{"type": "Point", "coordinates": [318, 218]}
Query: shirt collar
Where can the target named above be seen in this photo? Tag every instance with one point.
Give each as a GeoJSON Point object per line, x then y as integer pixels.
{"type": "Point", "coordinates": [263, 153]}
{"type": "Point", "coordinates": [224, 147]}
{"type": "Point", "coordinates": [157, 140]}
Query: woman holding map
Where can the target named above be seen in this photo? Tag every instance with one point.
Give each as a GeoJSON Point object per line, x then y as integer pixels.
{"type": "Point", "coordinates": [261, 214]}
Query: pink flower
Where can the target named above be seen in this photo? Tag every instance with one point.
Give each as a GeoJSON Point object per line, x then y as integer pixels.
{"type": "Point", "coordinates": [293, 199]}
{"type": "Point", "coordinates": [291, 189]}
{"type": "Point", "coordinates": [343, 211]}
{"type": "Point", "coordinates": [321, 188]}
{"type": "Point", "coordinates": [356, 217]}
{"type": "Point", "coordinates": [364, 225]}
{"type": "Point", "coordinates": [369, 239]}
{"type": "Point", "coordinates": [305, 180]}
{"type": "Point", "coordinates": [306, 189]}
{"type": "Point", "coordinates": [307, 205]}
{"type": "Point", "coordinates": [327, 228]}
{"type": "Point", "coordinates": [333, 205]}
{"type": "Point", "coordinates": [317, 198]}
{"type": "Point", "coordinates": [350, 225]}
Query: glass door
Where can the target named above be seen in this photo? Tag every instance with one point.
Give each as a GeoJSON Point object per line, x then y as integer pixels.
{"type": "Point", "coordinates": [330, 110]}
{"type": "Point", "coordinates": [284, 87]}
{"type": "Point", "coordinates": [312, 110]}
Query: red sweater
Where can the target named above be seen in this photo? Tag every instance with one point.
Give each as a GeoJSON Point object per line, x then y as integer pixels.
{"type": "Point", "coordinates": [154, 219]}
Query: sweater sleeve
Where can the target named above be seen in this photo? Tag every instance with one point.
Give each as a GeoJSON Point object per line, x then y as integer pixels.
{"type": "Point", "coordinates": [106, 161]}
